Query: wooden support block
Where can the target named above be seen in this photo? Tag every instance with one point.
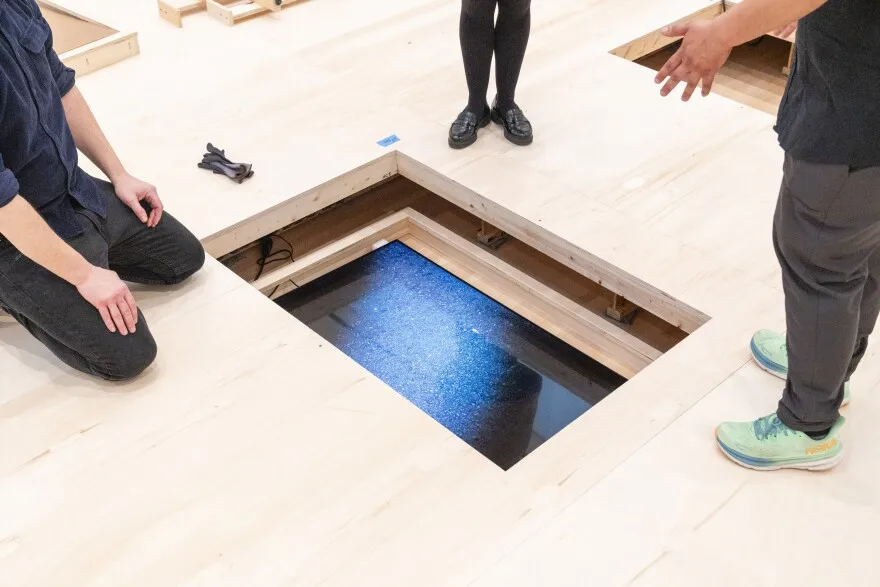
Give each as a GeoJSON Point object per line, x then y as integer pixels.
{"type": "Point", "coordinates": [622, 310]}
{"type": "Point", "coordinates": [174, 10]}
{"type": "Point", "coordinates": [490, 236]}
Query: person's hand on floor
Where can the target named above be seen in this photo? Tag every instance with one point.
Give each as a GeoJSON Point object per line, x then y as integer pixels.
{"type": "Point", "coordinates": [104, 290]}
{"type": "Point", "coordinates": [132, 191]}
{"type": "Point", "coordinates": [702, 52]}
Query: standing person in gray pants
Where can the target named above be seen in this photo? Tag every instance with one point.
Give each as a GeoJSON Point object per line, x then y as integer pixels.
{"type": "Point", "coordinates": [826, 229]}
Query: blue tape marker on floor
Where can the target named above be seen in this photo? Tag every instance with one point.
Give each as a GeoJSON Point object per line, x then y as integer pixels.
{"type": "Point", "coordinates": [388, 141]}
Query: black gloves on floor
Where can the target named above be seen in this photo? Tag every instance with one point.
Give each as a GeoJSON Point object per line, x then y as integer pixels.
{"type": "Point", "coordinates": [216, 161]}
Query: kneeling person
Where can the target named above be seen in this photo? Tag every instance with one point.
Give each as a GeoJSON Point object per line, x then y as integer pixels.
{"type": "Point", "coordinates": [66, 238]}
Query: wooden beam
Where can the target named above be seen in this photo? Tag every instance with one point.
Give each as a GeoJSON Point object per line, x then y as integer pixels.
{"type": "Point", "coordinates": [592, 335]}
{"type": "Point", "coordinates": [667, 308]}
{"type": "Point", "coordinates": [334, 255]}
{"type": "Point", "coordinates": [101, 53]}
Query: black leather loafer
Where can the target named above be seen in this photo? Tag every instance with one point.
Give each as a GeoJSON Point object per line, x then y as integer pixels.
{"type": "Point", "coordinates": [463, 131]}
{"type": "Point", "coordinates": [517, 128]}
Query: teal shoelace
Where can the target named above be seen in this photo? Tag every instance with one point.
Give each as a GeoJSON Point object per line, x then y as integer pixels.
{"type": "Point", "coordinates": [770, 426]}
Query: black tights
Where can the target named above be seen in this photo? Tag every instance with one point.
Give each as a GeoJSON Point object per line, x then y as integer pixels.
{"type": "Point", "coordinates": [480, 35]}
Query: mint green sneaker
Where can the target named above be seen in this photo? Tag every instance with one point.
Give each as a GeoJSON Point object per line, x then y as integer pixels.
{"type": "Point", "coordinates": [771, 355]}
{"type": "Point", "coordinates": [767, 445]}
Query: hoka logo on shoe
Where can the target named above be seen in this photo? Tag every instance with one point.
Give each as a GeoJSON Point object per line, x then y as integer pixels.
{"type": "Point", "coordinates": [824, 447]}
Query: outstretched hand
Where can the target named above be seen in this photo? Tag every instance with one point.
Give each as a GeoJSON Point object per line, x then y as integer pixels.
{"type": "Point", "coordinates": [702, 52]}
{"type": "Point", "coordinates": [132, 192]}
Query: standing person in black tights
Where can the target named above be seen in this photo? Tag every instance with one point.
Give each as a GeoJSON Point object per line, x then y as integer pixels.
{"type": "Point", "coordinates": [481, 36]}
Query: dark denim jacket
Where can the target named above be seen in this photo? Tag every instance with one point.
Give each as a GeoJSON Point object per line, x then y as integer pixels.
{"type": "Point", "coordinates": [38, 158]}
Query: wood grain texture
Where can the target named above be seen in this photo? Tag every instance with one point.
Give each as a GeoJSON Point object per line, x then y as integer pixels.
{"type": "Point", "coordinates": [253, 453]}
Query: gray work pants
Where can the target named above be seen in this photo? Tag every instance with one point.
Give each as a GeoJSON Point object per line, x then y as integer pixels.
{"type": "Point", "coordinates": [826, 233]}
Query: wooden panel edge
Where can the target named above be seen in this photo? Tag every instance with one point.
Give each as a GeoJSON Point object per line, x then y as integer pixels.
{"type": "Point", "coordinates": [102, 53]}
{"type": "Point", "coordinates": [604, 341]}
{"type": "Point", "coordinates": [302, 205]}
{"type": "Point", "coordinates": [640, 293]}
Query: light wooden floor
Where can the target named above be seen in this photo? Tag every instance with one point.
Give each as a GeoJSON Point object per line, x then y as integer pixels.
{"type": "Point", "coordinates": [255, 454]}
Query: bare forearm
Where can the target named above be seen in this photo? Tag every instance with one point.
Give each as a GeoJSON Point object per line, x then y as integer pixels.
{"type": "Point", "coordinates": [22, 226]}
{"type": "Point", "coordinates": [88, 135]}
{"type": "Point", "coordinates": [750, 19]}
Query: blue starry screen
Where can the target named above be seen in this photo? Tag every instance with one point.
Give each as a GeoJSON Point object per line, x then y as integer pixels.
{"type": "Point", "coordinates": [491, 377]}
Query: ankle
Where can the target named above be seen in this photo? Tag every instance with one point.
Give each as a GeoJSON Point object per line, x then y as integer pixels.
{"type": "Point", "coordinates": [477, 107]}
{"type": "Point", "coordinates": [505, 104]}
{"type": "Point", "coordinates": [818, 435]}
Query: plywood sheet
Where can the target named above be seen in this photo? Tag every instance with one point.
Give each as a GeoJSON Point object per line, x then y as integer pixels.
{"type": "Point", "coordinates": [70, 31]}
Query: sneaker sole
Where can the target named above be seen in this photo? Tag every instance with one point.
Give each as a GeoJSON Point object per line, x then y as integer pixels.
{"type": "Point", "coordinates": [464, 144]}
{"type": "Point", "coordinates": [818, 465]}
{"type": "Point", "coordinates": [774, 369]}
{"type": "Point", "coordinates": [766, 364]}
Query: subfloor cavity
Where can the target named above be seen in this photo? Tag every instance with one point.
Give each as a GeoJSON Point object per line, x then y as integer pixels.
{"type": "Point", "coordinates": [492, 378]}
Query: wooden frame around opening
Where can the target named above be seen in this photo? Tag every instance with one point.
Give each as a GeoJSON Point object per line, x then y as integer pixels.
{"type": "Point", "coordinates": [598, 338]}
{"type": "Point", "coordinates": [86, 45]}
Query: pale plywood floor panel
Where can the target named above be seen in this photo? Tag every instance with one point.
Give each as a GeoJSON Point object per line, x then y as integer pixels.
{"type": "Point", "coordinates": [253, 453]}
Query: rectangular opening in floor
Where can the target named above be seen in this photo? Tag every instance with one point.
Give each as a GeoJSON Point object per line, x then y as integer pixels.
{"type": "Point", "coordinates": [755, 75]}
{"type": "Point", "coordinates": [491, 377]}
{"type": "Point", "coordinates": [496, 341]}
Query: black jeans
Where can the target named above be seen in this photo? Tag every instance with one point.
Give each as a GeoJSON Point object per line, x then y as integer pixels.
{"type": "Point", "coordinates": [54, 312]}
{"type": "Point", "coordinates": [827, 238]}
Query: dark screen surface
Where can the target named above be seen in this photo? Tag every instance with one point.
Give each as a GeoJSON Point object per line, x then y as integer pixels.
{"type": "Point", "coordinates": [491, 377]}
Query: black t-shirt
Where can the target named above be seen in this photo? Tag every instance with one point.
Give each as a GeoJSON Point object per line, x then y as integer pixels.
{"type": "Point", "coordinates": [830, 112]}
